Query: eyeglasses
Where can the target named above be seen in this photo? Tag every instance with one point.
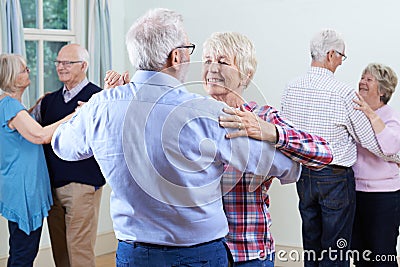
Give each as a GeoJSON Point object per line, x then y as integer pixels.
{"type": "Point", "coordinates": [343, 55]}
{"type": "Point", "coordinates": [191, 47]}
{"type": "Point", "coordinates": [26, 70]}
{"type": "Point", "coordinates": [66, 64]}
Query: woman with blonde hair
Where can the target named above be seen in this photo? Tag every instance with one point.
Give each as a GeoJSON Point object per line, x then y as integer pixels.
{"type": "Point", "coordinates": [25, 194]}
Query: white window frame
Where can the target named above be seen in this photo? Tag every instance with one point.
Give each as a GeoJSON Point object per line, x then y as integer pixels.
{"type": "Point", "coordinates": [41, 35]}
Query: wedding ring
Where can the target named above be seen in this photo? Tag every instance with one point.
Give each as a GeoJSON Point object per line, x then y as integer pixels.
{"type": "Point", "coordinates": [240, 125]}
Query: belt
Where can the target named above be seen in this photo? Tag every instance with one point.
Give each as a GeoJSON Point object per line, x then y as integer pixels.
{"type": "Point", "coordinates": [338, 167]}
{"type": "Point", "coordinates": [150, 245]}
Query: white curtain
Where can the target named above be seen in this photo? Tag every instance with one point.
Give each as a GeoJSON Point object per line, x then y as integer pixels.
{"type": "Point", "coordinates": [3, 24]}
{"type": "Point", "coordinates": [12, 33]}
{"type": "Point", "coordinates": [98, 40]}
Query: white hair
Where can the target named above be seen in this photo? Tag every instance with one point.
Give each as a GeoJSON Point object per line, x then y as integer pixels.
{"type": "Point", "coordinates": [235, 45]}
{"type": "Point", "coordinates": [323, 42]}
{"type": "Point", "coordinates": [153, 36]}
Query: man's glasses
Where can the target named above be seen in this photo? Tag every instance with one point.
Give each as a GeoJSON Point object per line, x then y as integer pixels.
{"type": "Point", "coordinates": [343, 55]}
{"type": "Point", "coordinates": [26, 70]}
{"type": "Point", "coordinates": [191, 47]}
{"type": "Point", "coordinates": [66, 64]}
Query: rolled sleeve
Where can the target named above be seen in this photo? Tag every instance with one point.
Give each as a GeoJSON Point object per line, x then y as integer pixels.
{"type": "Point", "coordinates": [70, 141]}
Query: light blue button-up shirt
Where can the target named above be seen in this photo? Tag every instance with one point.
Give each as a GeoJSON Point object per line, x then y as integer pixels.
{"type": "Point", "coordinates": [162, 151]}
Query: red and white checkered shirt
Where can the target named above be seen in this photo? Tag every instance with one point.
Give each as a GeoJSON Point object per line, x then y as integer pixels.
{"type": "Point", "coordinates": [249, 220]}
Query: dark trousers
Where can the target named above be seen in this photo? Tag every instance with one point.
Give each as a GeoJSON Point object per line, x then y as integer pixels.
{"type": "Point", "coordinates": [212, 254]}
{"type": "Point", "coordinates": [376, 228]}
{"type": "Point", "coordinates": [23, 247]}
{"type": "Point", "coordinates": [327, 207]}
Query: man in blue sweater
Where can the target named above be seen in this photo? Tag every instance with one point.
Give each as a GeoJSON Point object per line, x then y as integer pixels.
{"type": "Point", "coordinates": [77, 186]}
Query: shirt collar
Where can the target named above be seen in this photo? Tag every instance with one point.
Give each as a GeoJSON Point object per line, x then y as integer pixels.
{"type": "Point", "coordinates": [155, 78]}
{"type": "Point", "coordinates": [77, 88]}
{"type": "Point", "coordinates": [320, 71]}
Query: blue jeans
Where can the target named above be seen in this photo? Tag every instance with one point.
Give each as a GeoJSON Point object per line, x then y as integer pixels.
{"type": "Point", "coordinates": [327, 207]}
{"type": "Point", "coordinates": [255, 263]}
{"type": "Point", "coordinates": [376, 228]}
{"type": "Point", "coordinates": [211, 254]}
{"type": "Point", "coordinates": [23, 247]}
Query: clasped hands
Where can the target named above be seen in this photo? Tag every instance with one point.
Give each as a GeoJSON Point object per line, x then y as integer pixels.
{"type": "Point", "coordinates": [248, 124]}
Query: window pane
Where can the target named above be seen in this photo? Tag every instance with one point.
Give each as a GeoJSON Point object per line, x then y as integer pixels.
{"type": "Point", "coordinates": [55, 14]}
{"type": "Point", "coordinates": [51, 82]}
{"type": "Point", "coordinates": [29, 13]}
{"type": "Point", "coordinates": [31, 61]}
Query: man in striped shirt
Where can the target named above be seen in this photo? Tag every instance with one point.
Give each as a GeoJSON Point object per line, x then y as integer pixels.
{"type": "Point", "coordinates": [320, 104]}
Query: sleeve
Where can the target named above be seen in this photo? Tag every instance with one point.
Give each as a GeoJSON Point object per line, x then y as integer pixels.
{"type": "Point", "coordinates": [286, 170]}
{"type": "Point", "coordinates": [71, 140]}
{"type": "Point", "coordinates": [389, 138]}
{"type": "Point", "coordinates": [257, 157]}
{"type": "Point", "coordinates": [305, 148]}
{"type": "Point", "coordinates": [11, 109]}
{"type": "Point", "coordinates": [360, 128]}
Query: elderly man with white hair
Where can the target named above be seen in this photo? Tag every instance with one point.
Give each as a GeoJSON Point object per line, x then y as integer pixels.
{"type": "Point", "coordinates": [77, 186]}
{"type": "Point", "coordinates": [163, 153]}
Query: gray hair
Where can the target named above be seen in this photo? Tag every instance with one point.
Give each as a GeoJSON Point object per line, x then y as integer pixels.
{"type": "Point", "coordinates": [10, 67]}
{"type": "Point", "coordinates": [386, 77]}
{"type": "Point", "coordinates": [153, 36]}
{"type": "Point", "coordinates": [323, 42]}
{"type": "Point", "coordinates": [235, 45]}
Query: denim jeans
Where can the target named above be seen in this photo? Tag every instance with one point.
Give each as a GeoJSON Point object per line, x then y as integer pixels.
{"type": "Point", "coordinates": [255, 263]}
{"type": "Point", "coordinates": [212, 254]}
{"type": "Point", "coordinates": [376, 228]}
{"type": "Point", "coordinates": [23, 247]}
{"type": "Point", "coordinates": [327, 207]}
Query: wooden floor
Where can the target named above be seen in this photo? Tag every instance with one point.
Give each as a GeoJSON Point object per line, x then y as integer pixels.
{"type": "Point", "coordinates": [107, 260]}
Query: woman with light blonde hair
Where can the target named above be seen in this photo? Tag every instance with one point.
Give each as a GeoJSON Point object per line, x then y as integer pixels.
{"type": "Point", "coordinates": [25, 194]}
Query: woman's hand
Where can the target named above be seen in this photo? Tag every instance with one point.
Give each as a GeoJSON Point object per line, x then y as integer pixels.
{"type": "Point", "coordinates": [80, 104]}
{"type": "Point", "coordinates": [364, 107]}
{"type": "Point", "coordinates": [248, 124]}
{"type": "Point", "coordinates": [376, 122]}
{"type": "Point", "coordinates": [114, 79]}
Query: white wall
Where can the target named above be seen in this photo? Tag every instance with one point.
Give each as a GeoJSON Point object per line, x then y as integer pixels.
{"type": "Point", "coordinates": [281, 31]}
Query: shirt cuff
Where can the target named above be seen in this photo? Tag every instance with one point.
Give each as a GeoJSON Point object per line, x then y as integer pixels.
{"type": "Point", "coordinates": [280, 136]}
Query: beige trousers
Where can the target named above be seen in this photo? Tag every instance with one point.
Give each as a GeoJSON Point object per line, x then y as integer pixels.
{"type": "Point", "coordinates": [72, 222]}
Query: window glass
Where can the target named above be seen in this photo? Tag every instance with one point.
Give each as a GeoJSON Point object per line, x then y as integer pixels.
{"type": "Point", "coordinates": [55, 14]}
{"type": "Point", "coordinates": [32, 63]}
{"type": "Point", "coordinates": [47, 27]}
{"type": "Point", "coordinates": [51, 82]}
{"type": "Point", "coordinates": [29, 13]}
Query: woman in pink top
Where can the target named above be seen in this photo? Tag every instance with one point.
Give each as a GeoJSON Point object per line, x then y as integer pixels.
{"type": "Point", "coordinates": [377, 219]}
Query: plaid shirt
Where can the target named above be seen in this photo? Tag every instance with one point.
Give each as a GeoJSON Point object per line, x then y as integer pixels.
{"type": "Point", "coordinates": [249, 220]}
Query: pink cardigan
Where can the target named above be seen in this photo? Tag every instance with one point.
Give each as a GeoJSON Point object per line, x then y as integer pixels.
{"type": "Point", "coordinates": [372, 173]}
